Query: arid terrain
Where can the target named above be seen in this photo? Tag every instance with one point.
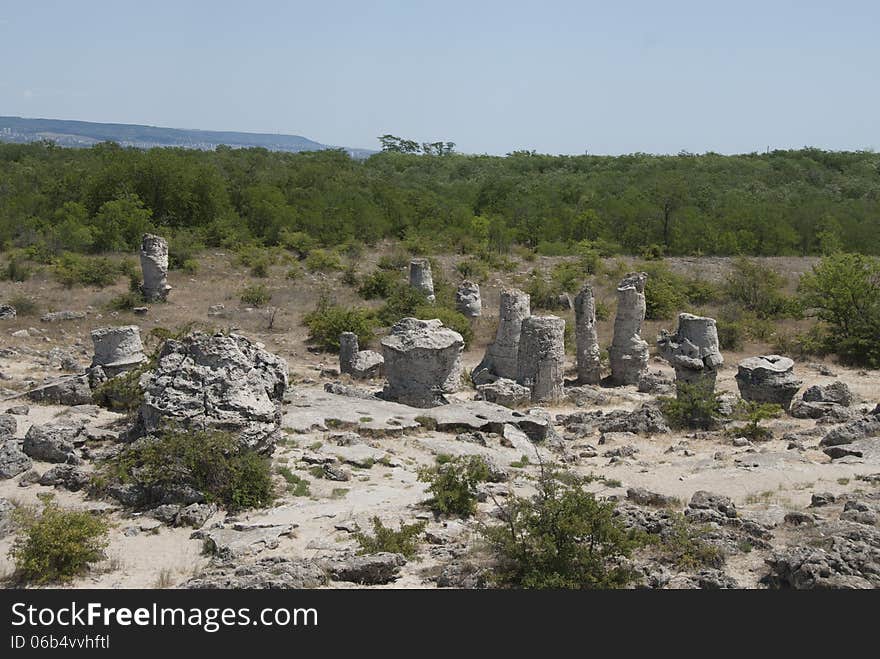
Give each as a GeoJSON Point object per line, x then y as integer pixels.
{"type": "Point", "coordinates": [380, 447]}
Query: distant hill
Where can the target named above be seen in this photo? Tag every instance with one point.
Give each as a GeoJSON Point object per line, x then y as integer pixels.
{"type": "Point", "coordinates": [87, 133]}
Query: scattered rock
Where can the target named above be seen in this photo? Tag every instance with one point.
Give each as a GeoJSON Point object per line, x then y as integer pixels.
{"type": "Point", "coordinates": [57, 316]}
{"type": "Point", "coordinates": [67, 477]}
{"type": "Point", "coordinates": [232, 543]}
{"type": "Point", "coordinates": [50, 443]}
{"type": "Point", "coordinates": [7, 312]}
{"type": "Point", "coordinates": [359, 364]}
{"type": "Point", "coordinates": [12, 460]}
{"type": "Point", "coordinates": [72, 390]}
{"type": "Point", "coordinates": [836, 392]}
{"type": "Point", "coordinates": [370, 569]}
{"type": "Point", "coordinates": [505, 392]}
{"type": "Point", "coordinates": [645, 497]}
{"type": "Point", "coordinates": [645, 420]}
{"type": "Point", "coordinates": [273, 573]}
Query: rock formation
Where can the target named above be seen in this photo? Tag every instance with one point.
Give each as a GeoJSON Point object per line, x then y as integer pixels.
{"type": "Point", "coordinates": [588, 360]}
{"type": "Point", "coordinates": [501, 355]}
{"type": "Point", "coordinates": [154, 264]}
{"type": "Point", "coordinates": [541, 357]}
{"type": "Point", "coordinates": [117, 349]}
{"type": "Point", "coordinates": [768, 379]}
{"type": "Point", "coordinates": [360, 364]}
{"type": "Point", "coordinates": [215, 382]}
{"type": "Point", "coordinates": [629, 352]}
{"type": "Point", "coordinates": [422, 362]}
{"type": "Point", "coordinates": [467, 299]}
{"type": "Point", "coordinates": [693, 350]}
{"type": "Point", "coordinates": [420, 277]}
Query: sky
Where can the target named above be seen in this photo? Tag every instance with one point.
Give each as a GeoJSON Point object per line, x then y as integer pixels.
{"type": "Point", "coordinates": [553, 76]}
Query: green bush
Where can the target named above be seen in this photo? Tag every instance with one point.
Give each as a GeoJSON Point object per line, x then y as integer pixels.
{"type": "Point", "coordinates": [257, 295]}
{"type": "Point", "coordinates": [16, 270]}
{"type": "Point", "coordinates": [453, 484]}
{"type": "Point", "coordinates": [56, 544]}
{"type": "Point", "coordinates": [668, 293]}
{"type": "Point", "coordinates": [452, 319]}
{"type": "Point", "coordinates": [753, 413]}
{"type": "Point", "coordinates": [473, 269]}
{"type": "Point", "coordinates": [297, 241]}
{"type": "Point", "coordinates": [683, 545]}
{"type": "Point", "coordinates": [379, 284]}
{"type": "Point", "coordinates": [211, 462]}
{"type": "Point", "coordinates": [122, 393]}
{"type": "Point", "coordinates": [402, 541]}
{"type": "Point", "coordinates": [562, 537]}
{"type": "Point", "coordinates": [296, 485]}
{"type": "Point", "coordinates": [757, 288]}
{"type": "Point", "coordinates": [125, 301]}
{"type": "Point", "coordinates": [402, 303]}
{"type": "Point", "coordinates": [695, 406]}
{"type": "Point", "coordinates": [73, 269]}
{"type": "Point", "coordinates": [328, 321]}
{"type": "Point", "coordinates": [731, 335]}
{"type": "Point", "coordinates": [397, 260]}
{"type": "Point", "coordinates": [322, 260]}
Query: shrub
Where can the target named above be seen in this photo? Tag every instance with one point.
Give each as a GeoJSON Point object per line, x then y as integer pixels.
{"type": "Point", "coordinates": [349, 276]}
{"type": "Point", "coordinates": [668, 293]}
{"type": "Point", "coordinates": [16, 270]}
{"type": "Point", "coordinates": [328, 321]}
{"type": "Point", "coordinates": [297, 241]}
{"type": "Point", "coordinates": [757, 288]}
{"type": "Point", "coordinates": [695, 406]}
{"type": "Point", "coordinates": [322, 260]}
{"type": "Point", "coordinates": [24, 305]}
{"type": "Point", "coordinates": [754, 412]}
{"type": "Point", "coordinates": [402, 541]}
{"type": "Point", "coordinates": [211, 462]}
{"type": "Point", "coordinates": [73, 269]}
{"type": "Point", "coordinates": [256, 296]}
{"type": "Point", "coordinates": [683, 545]}
{"type": "Point", "coordinates": [125, 301]}
{"type": "Point", "coordinates": [378, 285]}
{"type": "Point", "coordinates": [122, 393]}
{"type": "Point", "coordinates": [57, 544]}
{"type": "Point", "coordinates": [731, 335]}
{"type": "Point", "coordinates": [561, 537]}
{"type": "Point", "coordinates": [453, 485]}
{"type": "Point", "coordinates": [296, 485]}
{"type": "Point", "coordinates": [843, 291]}
{"type": "Point", "coordinates": [473, 269]}
{"type": "Point", "coordinates": [397, 260]}
{"type": "Point", "coordinates": [402, 303]}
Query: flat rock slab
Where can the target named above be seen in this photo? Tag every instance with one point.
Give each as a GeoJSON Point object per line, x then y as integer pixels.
{"type": "Point", "coordinates": [232, 543]}
{"type": "Point", "coordinates": [312, 409]}
{"type": "Point", "coordinates": [357, 455]}
{"type": "Point", "coordinates": [770, 460]}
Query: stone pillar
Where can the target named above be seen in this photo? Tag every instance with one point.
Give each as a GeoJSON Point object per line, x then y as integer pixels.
{"type": "Point", "coordinates": [541, 357]}
{"type": "Point", "coordinates": [467, 299]}
{"type": "Point", "coordinates": [501, 354]}
{"type": "Point", "coordinates": [154, 263]}
{"type": "Point", "coordinates": [420, 277]}
{"type": "Point", "coordinates": [348, 350]}
{"type": "Point", "coordinates": [117, 349]}
{"type": "Point", "coordinates": [629, 352]}
{"type": "Point", "coordinates": [422, 362]}
{"type": "Point", "coordinates": [588, 358]}
{"type": "Point", "coordinates": [693, 350]}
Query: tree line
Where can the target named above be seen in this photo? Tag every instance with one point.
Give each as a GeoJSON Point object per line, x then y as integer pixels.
{"type": "Point", "coordinates": [795, 202]}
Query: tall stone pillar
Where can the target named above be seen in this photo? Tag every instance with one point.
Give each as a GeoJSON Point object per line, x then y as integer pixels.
{"type": "Point", "coordinates": [693, 350]}
{"type": "Point", "coordinates": [154, 264]}
{"type": "Point", "coordinates": [420, 277]}
{"type": "Point", "coordinates": [629, 352]}
{"type": "Point", "coordinates": [588, 357]}
{"type": "Point", "coordinates": [501, 355]}
{"type": "Point", "coordinates": [541, 357]}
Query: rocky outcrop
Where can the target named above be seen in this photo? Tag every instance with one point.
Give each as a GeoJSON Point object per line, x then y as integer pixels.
{"type": "Point", "coordinates": [645, 420]}
{"type": "Point", "coordinates": [271, 573]}
{"type": "Point", "coordinates": [154, 264]}
{"type": "Point", "coordinates": [12, 460]}
{"type": "Point", "coordinates": [72, 390]}
{"type": "Point", "coordinates": [420, 277]}
{"type": "Point", "coordinates": [501, 355]}
{"type": "Point", "coordinates": [215, 382]}
{"type": "Point", "coordinates": [67, 477]}
{"type": "Point", "coordinates": [589, 363]}
{"type": "Point", "coordinates": [368, 570]}
{"type": "Point", "coordinates": [58, 316]}
{"type": "Point", "coordinates": [51, 443]}
{"type": "Point", "coordinates": [505, 392]}
{"type": "Point", "coordinates": [359, 364]}
{"type": "Point", "coordinates": [865, 427]}
{"type": "Point", "coordinates": [117, 349]}
{"type": "Point", "coordinates": [422, 362]}
{"type": "Point", "coordinates": [836, 392]}
{"type": "Point", "coordinates": [467, 299]}
{"type": "Point", "coordinates": [693, 350]}
{"type": "Point", "coordinates": [541, 358]}
{"type": "Point", "coordinates": [629, 352]}
{"type": "Point", "coordinates": [768, 379]}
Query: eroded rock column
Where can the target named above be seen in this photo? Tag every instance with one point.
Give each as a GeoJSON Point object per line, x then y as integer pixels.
{"type": "Point", "coordinates": [117, 349]}
{"type": "Point", "coordinates": [768, 379]}
{"type": "Point", "coordinates": [467, 299]}
{"type": "Point", "coordinates": [422, 362]}
{"type": "Point", "coordinates": [501, 355]}
{"type": "Point", "coordinates": [154, 264]}
{"type": "Point", "coordinates": [541, 357]}
{"type": "Point", "coordinates": [629, 352]}
{"type": "Point", "coordinates": [588, 357]}
{"type": "Point", "coordinates": [348, 348]}
{"type": "Point", "coordinates": [360, 364]}
{"type": "Point", "coordinates": [693, 350]}
{"type": "Point", "coordinates": [420, 277]}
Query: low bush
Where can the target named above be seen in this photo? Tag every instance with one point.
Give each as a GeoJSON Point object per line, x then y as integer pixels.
{"type": "Point", "coordinates": [453, 485]}
{"type": "Point", "coordinates": [257, 295]}
{"type": "Point", "coordinates": [695, 406]}
{"type": "Point", "coordinates": [15, 270]}
{"type": "Point", "coordinates": [379, 284]}
{"type": "Point", "coordinates": [322, 260]}
{"type": "Point", "coordinates": [328, 321]}
{"type": "Point", "coordinates": [402, 541]}
{"type": "Point", "coordinates": [122, 393]}
{"type": "Point", "coordinates": [211, 462]}
{"type": "Point", "coordinates": [753, 413]}
{"type": "Point", "coordinates": [57, 544]}
{"type": "Point", "coordinates": [562, 537]}
{"type": "Point", "coordinates": [125, 301]}
{"type": "Point", "coordinates": [98, 271]}
{"type": "Point", "coordinates": [473, 269]}
{"type": "Point", "coordinates": [757, 288]}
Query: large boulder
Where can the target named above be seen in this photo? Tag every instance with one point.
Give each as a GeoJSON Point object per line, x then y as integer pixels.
{"type": "Point", "coordinates": [505, 392]}
{"type": "Point", "coordinates": [865, 427]}
{"type": "Point", "coordinates": [73, 390]}
{"type": "Point", "coordinates": [422, 362]}
{"type": "Point", "coordinates": [836, 392]}
{"type": "Point", "coordinates": [768, 379]}
{"type": "Point", "coordinates": [12, 460]}
{"type": "Point", "coordinates": [215, 382]}
{"type": "Point", "coordinates": [117, 349]}
{"type": "Point", "coordinates": [467, 299]}
{"type": "Point", "coordinates": [51, 443]}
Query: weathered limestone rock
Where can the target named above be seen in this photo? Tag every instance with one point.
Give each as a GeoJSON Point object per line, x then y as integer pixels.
{"type": "Point", "coordinates": [422, 362]}
{"type": "Point", "coordinates": [73, 390]}
{"type": "Point", "coordinates": [836, 392]}
{"type": "Point", "coordinates": [588, 360]}
{"type": "Point", "coordinates": [420, 277]}
{"type": "Point", "coordinates": [117, 349]}
{"type": "Point", "coordinates": [7, 312]}
{"type": "Point", "coordinates": [768, 379]}
{"type": "Point", "coordinates": [629, 352]}
{"type": "Point", "coordinates": [505, 392]}
{"type": "Point", "coordinates": [50, 443]}
{"type": "Point", "coordinates": [360, 364]}
{"type": "Point", "coordinates": [501, 355]}
{"type": "Point", "coordinates": [12, 460]}
{"type": "Point", "coordinates": [154, 264]}
{"type": "Point", "coordinates": [541, 357]}
{"type": "Point", "coordinates": [693, 350]}
{"type": "Point", "coordinates": [58, 316]}
{"type": "Point", "coordinates": [221, 382]}
{"type": "Point", "coordinates": [275, 572]}
{"type": "Point", "coordinates": [467, 299]}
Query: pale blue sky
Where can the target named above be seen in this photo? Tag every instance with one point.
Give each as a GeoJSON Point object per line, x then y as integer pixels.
{"type": "Point", "coordinates": [495, 76]}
